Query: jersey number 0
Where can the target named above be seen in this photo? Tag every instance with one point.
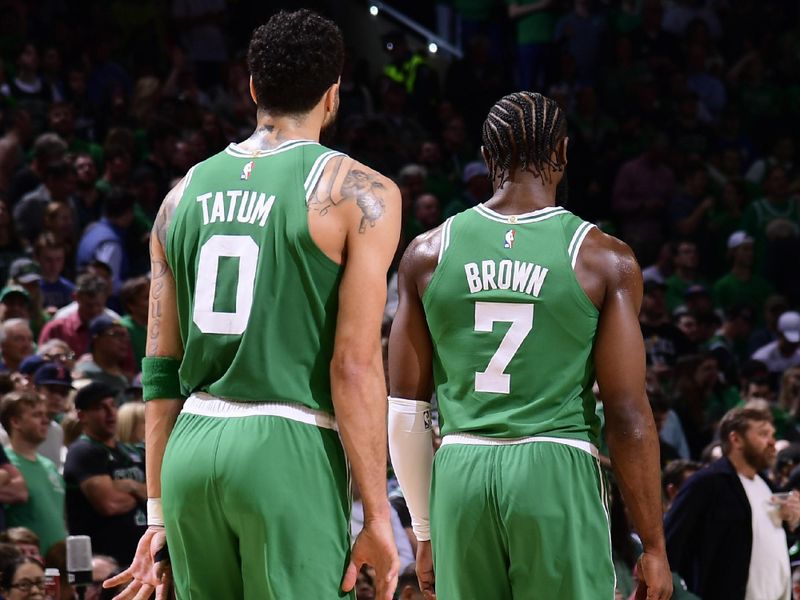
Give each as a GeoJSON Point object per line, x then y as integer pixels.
{"type": "Point", "coordinates": [205, 317]}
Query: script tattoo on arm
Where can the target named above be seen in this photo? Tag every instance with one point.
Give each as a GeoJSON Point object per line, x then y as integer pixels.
{"type": "Point", "coordinates": [358, 185]}
{"type": "Point", "coordinates": [159, 269]}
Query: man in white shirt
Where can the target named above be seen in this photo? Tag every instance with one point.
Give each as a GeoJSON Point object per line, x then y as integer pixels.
{"type": "Point", "coordinates": [725, 529]}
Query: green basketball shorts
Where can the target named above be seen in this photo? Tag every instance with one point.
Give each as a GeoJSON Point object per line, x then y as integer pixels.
{"type": "Point", "coordinates": [256, 502]}
{"type": "Point", "coordinates": [521, 521]}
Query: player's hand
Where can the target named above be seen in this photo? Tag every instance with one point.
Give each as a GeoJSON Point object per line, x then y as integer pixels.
{"type": "Point", "coordinates": [655, 578]}
{"type": "Point", "coordinates": [145, 574]}
{"type": "Point", "coordinates": [425, 575]}
{"type": "Point", "coordinates": [375, 547]}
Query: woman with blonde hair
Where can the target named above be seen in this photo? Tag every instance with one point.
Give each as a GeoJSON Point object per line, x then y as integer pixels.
{"type": "Point", "coordinates": [130, 423]}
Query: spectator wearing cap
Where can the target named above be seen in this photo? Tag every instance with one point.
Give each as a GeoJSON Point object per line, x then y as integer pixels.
{"type": "Point", "coordinates": [16, 303]}
{"type": "Point", "coordinates": [784, 352]}
{"type": "Point", "coordinates": [16, 343]}
{"type": "Point", "coordinates": [135, 297]}
{"type": "Point", "coordinates": [741, 285]}
{"type": "Point", "coordinates": [57, 291]}
{"type": "Point", "coordinates": [105, 240]}
{"type": "Point", "coordinates": [729, 345]}
{"type": "Point", "coordinates": [27, 274]}
{"type": "Point", "coordinates": [24, 417]}
{"type": "Point", "coordinates": [110, 348]}
{"type": "Point", "coordinates": [477, 189]}
{"type": "Point", "coordinates": [91, 294]}
{"type": "Point", "coordinates": [105, 479]}
{"type": "Point", "coordinates": [53, 384]}
{"type": "Point", "coordinates": [29, 366]}
{"type": "Point", "coordinates": [686, 261]}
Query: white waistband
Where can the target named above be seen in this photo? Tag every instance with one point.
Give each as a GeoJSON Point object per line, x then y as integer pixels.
{"type": "Point", "coordinates": [207, 405]}
{"type": "Point", "coordinates": [480, 440]}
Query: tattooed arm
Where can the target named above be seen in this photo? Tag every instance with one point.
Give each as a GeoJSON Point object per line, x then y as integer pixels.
{"type": "Point", "coordinates": [366, 207]}
{"type": "Point", "coordinates": [163, 339]}
{"type": "Point", "coordinates": [145, 575]}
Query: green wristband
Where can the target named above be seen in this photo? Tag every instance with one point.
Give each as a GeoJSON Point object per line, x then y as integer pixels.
{"type": "Point", "coordinates": [160, 378]}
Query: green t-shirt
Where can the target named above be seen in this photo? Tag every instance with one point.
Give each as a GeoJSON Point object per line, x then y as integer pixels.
{"type": "Point", "coordinates": [138, 335]}
{"type": "Point", "coordinates": [43, 513]}
{"type": "Point", "coordinates": [676, 288]}
{"type": "Point", "coordinates": [729, 290]}
{"type": "Point", "coordinates": [474, 10]}
{"type": "Point", "coordinates": [536, 27]}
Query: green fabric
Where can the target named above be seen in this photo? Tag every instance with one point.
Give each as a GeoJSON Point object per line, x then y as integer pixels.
{"type": "Point", "coordinates": [255, 507]}
{"type": "Point", "coordinates": [246, 216]}
{"type": "Point", "coordinates": [722, 401]}
{"type": "Point", "coordinates": [160, 378]}
{"type": "Point", "coordinates": [474, 10]}
{"type": "Point", "coordinates": [676, 288]}
{"type": "Point", "coordinates": [536, 27]}
{"type": "Point", "coordinates": [43, 513]}
{"type": "Point", "coordinates": [729, 290]}
{"type": "Point", "coordinates": [525, 521]}
{"type": "Point", "coordinates": [138, 335]}
{"type": "Point", "coordinates": [506, 386]}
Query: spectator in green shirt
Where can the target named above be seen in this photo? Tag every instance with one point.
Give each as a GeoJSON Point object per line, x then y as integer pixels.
{"type": "Point", "coordinates": [686, 260]}
{"type": "Point", "coordinates": [135, 297]}
{"type": "Point", "coordinates": [535, 23]}
{"type": "Point", "coordinates": [741, 285]}
{"type": "Point", "coordinates": [24, 417]}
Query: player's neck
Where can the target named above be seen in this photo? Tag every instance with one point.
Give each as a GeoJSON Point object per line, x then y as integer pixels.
{"type": "Point", "coordinates": [516, 197]}
{"type": "Point", "coordinates": [272, 131]}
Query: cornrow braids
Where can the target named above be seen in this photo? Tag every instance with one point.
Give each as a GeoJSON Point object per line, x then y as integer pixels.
{"type": "Point", "coordinates": [523, 130]}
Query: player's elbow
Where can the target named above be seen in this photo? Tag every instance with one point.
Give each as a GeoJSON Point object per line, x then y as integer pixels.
{"type": "Point", "coordinates": [352, 368]}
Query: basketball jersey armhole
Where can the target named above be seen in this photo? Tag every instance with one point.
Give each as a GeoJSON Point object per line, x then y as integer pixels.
{"type": "Point", "coordinates": [171, 226]}
{"type": "Point", "coordinates": [444, 244]}
{"type": "Point", "coordinates": [309, 185]}
{"type": "Point", "coordinates": [573, 249]}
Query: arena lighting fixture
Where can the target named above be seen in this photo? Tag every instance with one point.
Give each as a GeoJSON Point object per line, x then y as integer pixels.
{"type": "Point", "coordinates": [433, 48]}
{"type": "Point", "coordinates": [373, 10]}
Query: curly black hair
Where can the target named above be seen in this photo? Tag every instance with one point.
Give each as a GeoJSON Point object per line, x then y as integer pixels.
{"type": "Point", "coordinates": [293, 58]}
{"type": "Point", "coordinates": [523, 130]}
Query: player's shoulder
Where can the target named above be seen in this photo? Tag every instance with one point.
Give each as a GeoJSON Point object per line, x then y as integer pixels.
{"type": "Point", "coordinates": [357, 174]}
{"type": "Point", "coordinates": [606, 254]}
{"type": "Point", "coordinates": [422, 254]}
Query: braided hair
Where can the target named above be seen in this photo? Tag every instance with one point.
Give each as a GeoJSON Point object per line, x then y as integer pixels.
{"type": "Point", "coordinates": [523, 130]}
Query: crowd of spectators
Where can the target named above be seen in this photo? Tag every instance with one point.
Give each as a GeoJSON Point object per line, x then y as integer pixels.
{"type": "Point", "coordinates": [683, 130]}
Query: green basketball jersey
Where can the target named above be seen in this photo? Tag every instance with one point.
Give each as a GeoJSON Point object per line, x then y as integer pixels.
{"type": "Point", "coordinates": [257, 299]}
{"type": "Point", "coordinates": [512, 328]}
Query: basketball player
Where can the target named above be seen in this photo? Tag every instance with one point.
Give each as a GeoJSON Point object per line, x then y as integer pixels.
{"type": "Point", "coordinates": [269, 266]}
{"type": "Point", "coordinates": [509, 311]}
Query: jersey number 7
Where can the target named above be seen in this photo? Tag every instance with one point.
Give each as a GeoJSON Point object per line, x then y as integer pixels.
{"type": "Point", "coordinates": [493, 379]}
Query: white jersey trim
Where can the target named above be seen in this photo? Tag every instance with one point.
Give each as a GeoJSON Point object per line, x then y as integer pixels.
{"type": "Point", "coordinates": [444, 241]}
{"type": "Point", "coordinates": [480, 440]}
{"type": "Point", "coordinates": [207, 405]}
{"type": "Point", "coordinates": [316, 171]}
{"type": "Point", "coordinates": [577, 241]}
{"type": "Point", "coordinates": [532, 217]}
{"type": "Point", "coordinates": [236, 150]}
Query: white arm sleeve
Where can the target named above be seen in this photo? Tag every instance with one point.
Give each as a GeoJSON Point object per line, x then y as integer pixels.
{"type": "Point", "coordinates": [411, 451]}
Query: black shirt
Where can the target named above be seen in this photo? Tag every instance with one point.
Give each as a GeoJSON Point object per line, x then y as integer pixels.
{"type": "Point", "coordinates": [3, 461]}
{"type": "Point", "coordinates": [117, 535]}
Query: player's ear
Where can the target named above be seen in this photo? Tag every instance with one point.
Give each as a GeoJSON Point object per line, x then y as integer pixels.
{"type": "Point", "coordinates": [561, 151]}
{"type": "Point", "coordinates": [331, 96]}
{"type": "Point", "coordinates": [486, 158]}
{"type": "Point", "coordinates": [253, 90]}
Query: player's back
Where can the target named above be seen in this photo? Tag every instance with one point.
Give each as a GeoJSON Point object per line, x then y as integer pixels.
{"type": "Point", "coordinates": [512, 328]}
{"type": "Point", "coordinates": [257, 298]}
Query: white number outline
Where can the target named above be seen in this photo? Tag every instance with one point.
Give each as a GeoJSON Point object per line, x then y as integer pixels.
{"type": "Point", "coordinates": [208, 320]}
{"type": "Point", "coordinates": [494, 379]}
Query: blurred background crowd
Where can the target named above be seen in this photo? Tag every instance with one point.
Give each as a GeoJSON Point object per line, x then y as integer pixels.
{"type": "Point", "coordinates": [683, 127]}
